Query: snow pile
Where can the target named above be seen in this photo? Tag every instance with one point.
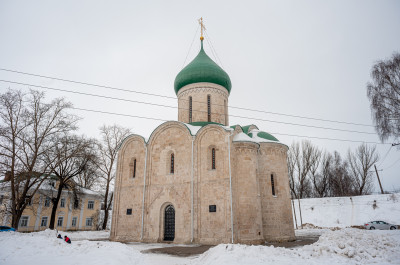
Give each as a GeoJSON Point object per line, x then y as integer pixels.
{"type": "Point", "coordinates": [44, 248]}
{"type": "Point", "coordinates": [347, 246]}
{"type": "Point", "coordinates": [242, 137]}
{"type": "Point", "coordinates": [193, 129]}
{"type": "Point", "coordinates": [359, 246]}
{"type": "Point", "coordinates": [349, 211]}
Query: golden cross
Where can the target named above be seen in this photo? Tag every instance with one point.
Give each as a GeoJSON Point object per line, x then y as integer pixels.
{"type": "Point", "coordinates": [202, 27]}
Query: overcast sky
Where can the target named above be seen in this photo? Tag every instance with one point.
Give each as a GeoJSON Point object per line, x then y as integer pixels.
{"type": "Point", "coordinates": [306, 58]}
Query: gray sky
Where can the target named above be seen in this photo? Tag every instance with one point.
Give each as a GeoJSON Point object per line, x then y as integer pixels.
{"type": "Point", "coordinates": [307, 58]}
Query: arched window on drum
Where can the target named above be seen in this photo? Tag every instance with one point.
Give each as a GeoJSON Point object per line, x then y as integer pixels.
{"type": "Point", "coordinates": [273, 185]}
{"type": "Point", "coordinates": [132, 168]}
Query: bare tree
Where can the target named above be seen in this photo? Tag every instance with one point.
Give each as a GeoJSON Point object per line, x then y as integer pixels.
{"type": "Point", "coordinates": [302, 159]}
{"type": "Point", "coordinates": [111, 139]}
{"type": "Point", "coordinates": [341, 183]}
{"type": "Point", "coordinates": [89, 177]}
{"type": "Point", "coordinates": [360, 164]}
{"type": "Point", "coordinates": [67, 159]}
{"type": "Point", "coordinates": [28, 129]}
{"type": "Point", "coordinates": [384, 95]}
{"type": "Point", "coordinates": [321, 179]}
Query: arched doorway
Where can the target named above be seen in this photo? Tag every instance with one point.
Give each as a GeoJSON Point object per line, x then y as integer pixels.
{"type": "Point", "coordinates": [169, 223]}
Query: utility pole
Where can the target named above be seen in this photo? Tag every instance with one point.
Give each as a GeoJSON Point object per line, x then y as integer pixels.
{"type": "Point", "coordinates": [377, 175]}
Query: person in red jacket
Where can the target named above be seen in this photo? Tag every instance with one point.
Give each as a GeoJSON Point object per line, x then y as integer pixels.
{"type": "Point", "coordinates": [66, 239]}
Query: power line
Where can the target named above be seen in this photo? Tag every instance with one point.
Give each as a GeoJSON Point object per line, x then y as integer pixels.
{"type": "Point", "coordinates": [390, 148]}
{"type": "Point", "coordinates": [163, 96]}
{"type": "Point", "coordinates": [393, 164]}
{"type": "Point", "coordinates": [168, 106]}
{"type": "Point", "coordinates": [277, 133]}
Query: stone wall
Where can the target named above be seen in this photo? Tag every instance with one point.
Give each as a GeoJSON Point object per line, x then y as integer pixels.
{"type": "Point", "coordinates": [277, 215]}
{"type": "Point", "coordinates": [129, 191]}
{"type": "Point", "coordinates": [212, 187]}
{"type": "Point", "coordinates": [198, 92]}
{"type": "Point", "coordinates": [247, 204]}
{"type": "Point", "coordinates": [257, 215]}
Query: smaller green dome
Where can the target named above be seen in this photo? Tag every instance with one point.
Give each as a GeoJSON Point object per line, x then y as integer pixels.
{"type": "Point", "coordinates": [264, 135]}
{"type": "Point", "coordinates": [202, 69]}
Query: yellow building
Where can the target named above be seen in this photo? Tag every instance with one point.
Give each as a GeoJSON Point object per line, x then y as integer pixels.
{"type": "Point", "coordinates": [79, 211]}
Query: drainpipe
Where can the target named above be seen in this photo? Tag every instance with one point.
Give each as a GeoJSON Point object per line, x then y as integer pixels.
{"type": "Point", "coordinates": [192, 188]}
{"type": "Point", "coordinates": [230, 179]}
{"type": "Point", "coordinates": [144, 189]}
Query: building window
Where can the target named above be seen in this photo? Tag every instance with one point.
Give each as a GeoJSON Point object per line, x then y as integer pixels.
{"type": "Point", "coordinates": [24, 221]}
{"type": "Point", "coordinates": [213, 158]}
{"type": "Point", "coordinates": [74, 219]}
{"type": "Point", "coordinates": [129, 211]}
{"type": "Point", "coordinates": [28, 201]}
{"type": "Point", "coordinates": [44, 221]}
{"type": "Point", "coordinates": [209, 108]}
{"type": "Point", "coordinates": [90, 205]}
{"type": "Point", "coordinates": [60, 221]}
{"type": "Point", "coordinates": [89, 221]}
{"type": "Point", "coordinates": [47, 201]}
{"type": "Point", "coordinates": [132, 166]}
{"type": "Point", "coordinates": [272, 185]}
{"type": "Point", "coordinates": [62, 203]}
{"type": "Point", "coordinates": [226, 112]}
{"type": "Point", "coordinates": [172, 168]}
{"type": "Point", "coordinates": [212, 208]}
{"type": "Point", "coordinates": [190, 109]}
{"type": "Point", "coordinates": [76, 204]}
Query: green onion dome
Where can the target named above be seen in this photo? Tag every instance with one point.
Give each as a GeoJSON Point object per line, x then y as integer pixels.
{"type": "Point", "coordinates": [202, 69]}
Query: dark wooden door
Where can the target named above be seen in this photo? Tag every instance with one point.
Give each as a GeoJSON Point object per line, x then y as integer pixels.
{"type": "Point", "coordinates": [169, 223]}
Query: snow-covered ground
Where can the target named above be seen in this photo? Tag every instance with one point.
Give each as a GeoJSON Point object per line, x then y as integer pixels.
{"type": "Point", "coordinates": [349, 211]}
{"type": "Point", "coordinates": [341, 246]}
{"type": "Point", "coordinates": [344, 246]}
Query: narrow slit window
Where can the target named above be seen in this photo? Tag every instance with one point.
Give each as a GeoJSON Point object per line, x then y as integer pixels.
{"type": "Point", "coordinates": [190, 109]}
{"type": "Point", "coordinates": [226, 113]}
{"type": "Point", "coordinates": [272, 185]}
{"type": "Point", "coordinates": [209, 107]}
{"type": "Point", "coordinates": [172, 169]}
{"type": "Point", "coordinates": [213, 158]}
{"type": "Point", "coordinates": [134, 168]}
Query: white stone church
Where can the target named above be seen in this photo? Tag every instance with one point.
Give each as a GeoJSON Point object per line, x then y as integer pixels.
{"type": "Point", "coordinates": [198, 179]}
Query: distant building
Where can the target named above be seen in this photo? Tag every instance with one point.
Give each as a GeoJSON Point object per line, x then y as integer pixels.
{"type": "Point", "coordinates": [73, 212]}
{"type": "Point", "coordinates": [199, 180]}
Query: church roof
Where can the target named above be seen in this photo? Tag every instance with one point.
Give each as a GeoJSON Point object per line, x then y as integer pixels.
{"type": "Point", "coordinates": [202, 69]}
{"type": "Point", "coordinates": [262, 135]}
{"type": "Point", "coordinates": [250, 133]}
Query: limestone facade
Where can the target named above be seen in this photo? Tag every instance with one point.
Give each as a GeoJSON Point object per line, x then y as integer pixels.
{"type": "Point", "coordinates": [244, 182]}
{"type": "Point", "coordinates": [199, 94]}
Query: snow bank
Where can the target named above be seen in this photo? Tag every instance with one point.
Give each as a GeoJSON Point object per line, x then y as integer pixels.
{"type": "Point", "coordinates": [349, 211]}
{"type": "Point", "coordinates": [347, 246]}
{"type": "Point", "coordinates": [44, 248]}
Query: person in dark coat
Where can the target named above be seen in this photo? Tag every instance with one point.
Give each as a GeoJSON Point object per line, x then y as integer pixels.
{"type": "Point", "coordinates": [59, 236]}
{"type": "Point", "coordinates": [66, 239]}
